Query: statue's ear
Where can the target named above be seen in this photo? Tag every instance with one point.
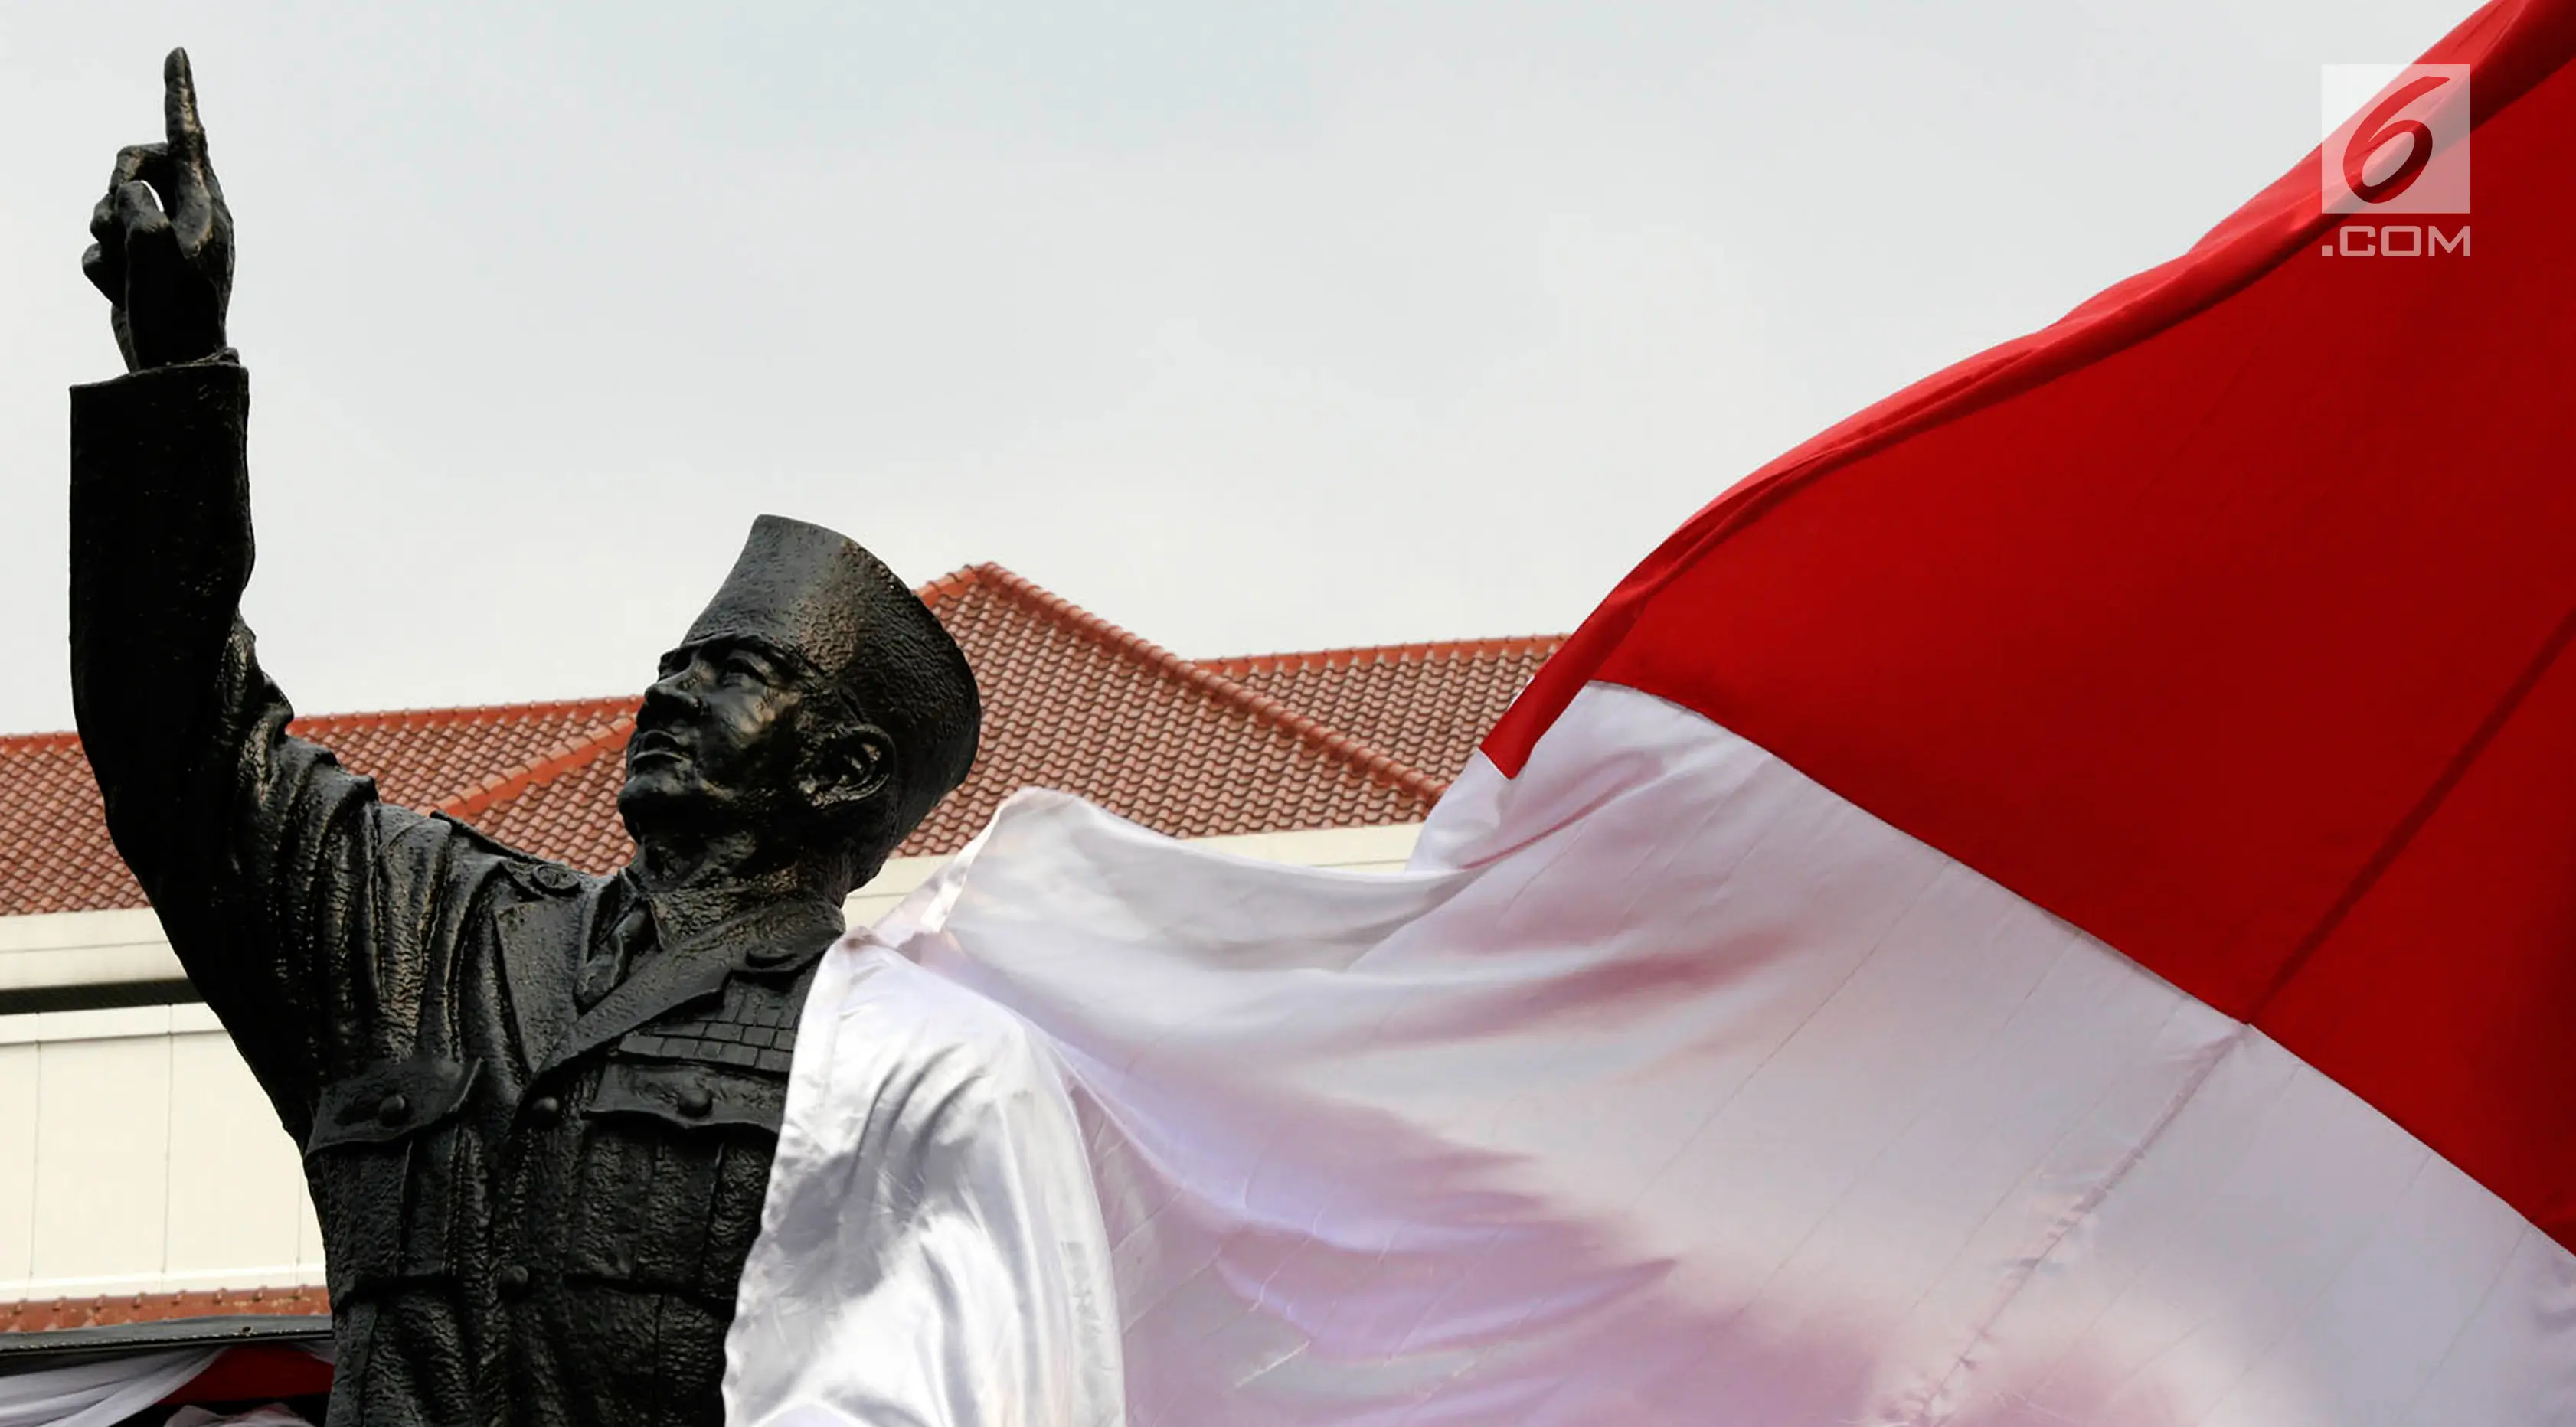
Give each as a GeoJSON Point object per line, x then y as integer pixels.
{"type": "Point", "coordinates": [855, 765]}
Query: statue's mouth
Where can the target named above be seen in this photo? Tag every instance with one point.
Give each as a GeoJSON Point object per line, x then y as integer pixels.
{"type": "Point", "coordinates": [655, 743]}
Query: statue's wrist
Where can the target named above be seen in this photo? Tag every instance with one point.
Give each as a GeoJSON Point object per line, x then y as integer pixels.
{"type": "Point", "coordinates": [220, 356]}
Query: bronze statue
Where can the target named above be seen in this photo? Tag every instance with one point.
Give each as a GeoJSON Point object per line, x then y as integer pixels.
{"type": "Point", "coordinates": [537, 1107]}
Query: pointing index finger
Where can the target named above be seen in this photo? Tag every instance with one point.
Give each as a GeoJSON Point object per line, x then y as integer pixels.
{"type": "Point", "coordinates": [179, 109]}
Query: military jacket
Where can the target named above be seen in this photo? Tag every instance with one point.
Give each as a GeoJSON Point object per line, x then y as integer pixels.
{"type": "Point", "coordinates": [533, 1211]}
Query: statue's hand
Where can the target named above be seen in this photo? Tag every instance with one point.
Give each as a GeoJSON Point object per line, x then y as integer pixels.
{"type": "Point", "coordinates": [164, 254]}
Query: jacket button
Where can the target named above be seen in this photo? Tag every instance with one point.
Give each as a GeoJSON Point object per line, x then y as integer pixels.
{"type": "Point", "coordinates": [555, 877]}
{"type": "Point", "coordinates": [545, 1109]}
{"type": "Point", "coordinates": [696, 1101]}
{"type": "Point", "coordinates": [512, 1280]}
{"type": "Point", "coordinates": [394, 1109]}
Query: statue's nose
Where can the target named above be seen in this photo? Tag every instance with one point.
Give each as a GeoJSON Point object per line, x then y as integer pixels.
{"type": "Point", "coordinates": [673, 696]}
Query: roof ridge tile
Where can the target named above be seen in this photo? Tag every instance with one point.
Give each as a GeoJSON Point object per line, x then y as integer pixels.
{"type": "Point", "coordinates": [547, 766]}
{"type": "Point", "coordinates": [956, 582]}
{"type": "Point", "coordinates": [1507, 645]}
{"type": "Point", "coordinates": [28, 1315]}
{"type": "Point", "coordinates": [1371, 762]}
{"type": "Point", "coordinates": [464, 714]}
{"type": "Point", "coordinates": [30, 742]}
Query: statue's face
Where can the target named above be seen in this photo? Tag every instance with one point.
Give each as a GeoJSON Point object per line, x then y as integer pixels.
{"type": "Point", "coordinates": [716, 741]}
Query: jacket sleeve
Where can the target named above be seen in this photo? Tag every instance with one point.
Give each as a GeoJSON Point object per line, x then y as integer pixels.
{"type": "Point", "coordinates": [268, 864]}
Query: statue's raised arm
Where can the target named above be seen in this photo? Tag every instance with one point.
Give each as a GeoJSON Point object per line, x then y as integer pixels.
{"type": "Point", "coordinates": [256, 848]}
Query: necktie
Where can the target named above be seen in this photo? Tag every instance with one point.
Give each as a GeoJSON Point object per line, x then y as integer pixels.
{"type": "Point", "coordinates": [613, 955]}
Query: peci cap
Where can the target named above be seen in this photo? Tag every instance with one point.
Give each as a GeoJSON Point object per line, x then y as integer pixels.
{"type": "Point", "coordinates": [820, 596]}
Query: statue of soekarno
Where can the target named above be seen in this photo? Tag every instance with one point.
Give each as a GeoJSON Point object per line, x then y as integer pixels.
{"type": "Point", "coordinates": [537, 1108]}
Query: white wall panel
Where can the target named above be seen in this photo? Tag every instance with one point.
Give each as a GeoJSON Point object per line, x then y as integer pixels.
{"type": "Point", "coordinates": [17, 1160]}
{"type": "Point", "coordinates": [138, 1155]}
{"type": "Point", "coordinates": [84, 949]}
{"type": "Point", "coordinates": [102, 1158]}
{"type": "Point", "coordinates": [236, 1195]}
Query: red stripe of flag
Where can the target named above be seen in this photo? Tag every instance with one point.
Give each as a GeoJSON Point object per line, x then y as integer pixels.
{"type": "Point", "coordinates": [2226, 618]}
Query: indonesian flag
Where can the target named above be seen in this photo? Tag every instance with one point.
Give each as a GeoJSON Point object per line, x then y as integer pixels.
{"type": "Point", "coordinates": [2052, 903]}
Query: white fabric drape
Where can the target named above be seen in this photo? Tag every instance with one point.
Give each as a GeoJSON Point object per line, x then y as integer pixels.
{"type": "Point", "coordinates": [99, 1393]}
{"type": "Point", "coordinates": [1669, 1089]}
{"type": "Point", "coordinates": [931, 1252]}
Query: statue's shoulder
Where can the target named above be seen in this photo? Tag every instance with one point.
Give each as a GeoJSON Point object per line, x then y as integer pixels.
{"type": "Point", "coordinates": [538, 876]}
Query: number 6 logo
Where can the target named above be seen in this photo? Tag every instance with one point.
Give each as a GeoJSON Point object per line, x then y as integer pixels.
{"type": "Point", "coordinates": [2404, 148]}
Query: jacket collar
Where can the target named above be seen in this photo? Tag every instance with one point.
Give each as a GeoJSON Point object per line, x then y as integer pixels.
{"type": "Point", "coordinates": [774, 939]}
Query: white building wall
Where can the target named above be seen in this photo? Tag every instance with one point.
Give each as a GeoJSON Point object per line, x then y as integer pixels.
{"type": "Point", "coordinates": [84, 949]}
{"type": "Point", "coordinates": [137, 1155]}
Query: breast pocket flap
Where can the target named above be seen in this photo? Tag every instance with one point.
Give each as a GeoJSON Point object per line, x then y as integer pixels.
{"type": "Point", "coordinates": [691, 1096]}
{"type": "Point", "coordinates": [391, 1101]}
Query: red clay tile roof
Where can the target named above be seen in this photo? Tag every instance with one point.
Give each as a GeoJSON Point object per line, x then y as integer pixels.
{"type": "Point", "coordinates": [54, 852]}
{"type": "Point", "coordinates": [1074, 702]}
{"type": "Point", "coordinates": [45, 1315]}
{"type": "Point", "coordinates": [425, 757]}
{"type": "Point", "coordinates": [1427, 704]}
{"type": "Point", "coordinates": [571, 817]}
{"type": "Point", "coordinates": [1337, 738]}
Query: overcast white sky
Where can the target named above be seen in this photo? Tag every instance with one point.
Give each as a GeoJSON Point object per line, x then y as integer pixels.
{"type": "Point", "coordinates": [1250, 326]}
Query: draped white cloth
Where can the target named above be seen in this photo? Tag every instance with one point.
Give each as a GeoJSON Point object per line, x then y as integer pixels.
{"type": "Point", "coordinates": [1668, 1088]}
{"type": "Point", "coordinates": [930, 1254]}
{"type": "Point", "coordinates": [99, 1393]}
